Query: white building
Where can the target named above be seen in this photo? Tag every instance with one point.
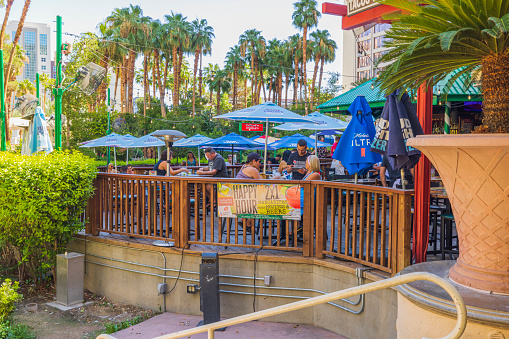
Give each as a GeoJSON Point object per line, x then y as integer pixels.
{"type": "Point", "coordinates": [35, 39]}
{"type": "Point", "coordinates": [361, 50]}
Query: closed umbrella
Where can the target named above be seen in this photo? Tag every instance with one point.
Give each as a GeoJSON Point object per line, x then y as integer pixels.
{"type": "Point", "coordinates": [266, 112]}
{"type": "Point", "coordinates": [37, 138]}
{"type": "Point", "coordinates": [353, 149]}
{"type": "Point", "coordinates": [397, 123]}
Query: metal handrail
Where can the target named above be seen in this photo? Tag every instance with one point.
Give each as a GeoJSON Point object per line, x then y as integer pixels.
{"type": "Point", "coordinates": [458, 330]}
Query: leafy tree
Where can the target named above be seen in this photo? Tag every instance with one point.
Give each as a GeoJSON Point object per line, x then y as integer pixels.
{"type": "Point", "coordinates": [433, 38]}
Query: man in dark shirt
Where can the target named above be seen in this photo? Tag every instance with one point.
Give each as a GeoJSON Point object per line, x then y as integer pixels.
{"type": "Point", "coordinates": [217, 165]}
{"type": "Point", "coordinates": [393, 174]}
{"type": "Point", "coordinates": [298, 160]}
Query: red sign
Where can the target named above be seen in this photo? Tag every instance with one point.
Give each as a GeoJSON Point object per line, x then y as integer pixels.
{"type": "Point", "coordinates": [252, 127]}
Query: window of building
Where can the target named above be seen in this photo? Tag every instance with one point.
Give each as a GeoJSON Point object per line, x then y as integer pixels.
{"type": "Point", "coordinates": [43, 43]}
{"type": "Point", "coordinates": [53, 76]}
{"type": "Point", "coordinates": [363, 47]}
{"type": "Point", "coordinates": [30, 69]}
{"type": "Point", "coordinates": [362, 75]}
{"type": "Point", "coordinates": [43, 67]}
{"type": "Point", "coordinates": [365, 34]}
{"type": "Point", "coordinates": [54, 68]}
{"type": "Point", "coordinates": [363, 61]}
{"type": "Point", "coordinates": [381, 27]}
{"type": "Point", "coordinates": [43, 59]}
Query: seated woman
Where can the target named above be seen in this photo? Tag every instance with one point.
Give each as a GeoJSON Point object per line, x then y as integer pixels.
{"type": "Point", "coordinates": [129, 169]}
{"type": "Point", "coordinates": [111, 169]}
{"type": "Point", "coordinates": [251, 170]}
{"type": "Point", "coordinates": [162, 166]}
{"type": "Point", "coordinates": [312, 168]}
{"type": "Point", "coordinates": [191, 159]}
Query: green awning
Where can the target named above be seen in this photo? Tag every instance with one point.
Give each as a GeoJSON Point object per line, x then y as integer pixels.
{"type": "Point", "coordinates": [376, 99]}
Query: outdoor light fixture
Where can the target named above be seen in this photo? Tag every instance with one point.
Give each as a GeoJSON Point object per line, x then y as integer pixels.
{"type": "Point", "coordinates": [439, 91]}
{"type": "Point", "coordinates": [372, 86]}
{"type": "Point", "coordinates": [469, 97]}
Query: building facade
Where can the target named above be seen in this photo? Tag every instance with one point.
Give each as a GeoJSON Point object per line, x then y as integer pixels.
{"type": "Point", "coordinates": [361, 52]}
{"type": "Point", "coordinates": [35, 40]}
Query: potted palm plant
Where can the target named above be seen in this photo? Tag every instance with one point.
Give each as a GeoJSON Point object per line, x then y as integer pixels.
{"type": "Point", "coordinates": [429, 40]}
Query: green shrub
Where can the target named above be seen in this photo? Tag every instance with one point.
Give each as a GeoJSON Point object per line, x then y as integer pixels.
{"type": "Point", "coordinates": [8, 296]}
{"type": "Point", "coordinates": [42, 198]}
{"type": "Point", "coordinates": [115, 327]}
{"type": "Point", "coordinates": [19, 331]}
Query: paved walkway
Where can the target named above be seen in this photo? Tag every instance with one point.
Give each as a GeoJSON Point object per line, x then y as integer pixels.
{"type": "Point", "coordinates": [167, 323]}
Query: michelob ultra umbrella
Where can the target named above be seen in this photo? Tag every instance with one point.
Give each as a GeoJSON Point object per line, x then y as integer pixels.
{"type": "Point", "coordinates": [266, 112]}
{"type": "Point", "coordinates": [37, 137]}
{"type": "Point", "coordinates": [353, 149]}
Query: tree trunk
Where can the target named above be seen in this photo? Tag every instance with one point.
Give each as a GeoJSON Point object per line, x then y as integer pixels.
{"type": "Point", "coordinates": [132, 61]}
{"type": "Point", "coordinates": [174, 54]}
{"type": "Point", "coordinates": [495, 89]}
{"type": "Point", "coordinates": [196, 57]}
{"type": "Point", "coordinates": [286, 88]}
{"type": "Point", "coordinates": [117, 75]}
{"type": "Point", "coordinates": [6, 17]}
{"type": "Point", "coordinates": [235, 85]}
{"type": "Point", "coordinates": [201, 79]}
{"type": "Point", "coordinates": [270, 88]}
{"type": "Point", "coordinates": [245, 92]}
{"type": "Point", "coordinates": [253, 79]}
{"type": "Point", "coordinates": [321, 73]}
{"type": "Point", "coordinates": [218, 99]}
{"type": "Point", "coordinates": [295, 81]}
{"type": "Point", "coordinates": [159, 82]}
{"type": "Point", "coordinates": [14, 44]}
{"type": "Point", "coordinates": [280, 89]}
{"type": "Point", "coordinates": [304, 61]}
{"type": "Point", "coordinates": [165, 75]}
{"type": "Point", "coordinates": [315, 72]}
{"type": "Point", "coordinates": [179, 68]}
{"type": "Point", "coordinates": [145, 85]}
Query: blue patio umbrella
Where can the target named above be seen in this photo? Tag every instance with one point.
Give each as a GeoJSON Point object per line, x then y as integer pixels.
{"type": "Point", "coordinates": [38, 137]}
{"type": "Point", "coordinates": [255, 137]}
{"type": "Point", "coordinates": [266, 112]}
{"type": "Point", "coordinates": [111, 140]}
{"type": "Point", "coordinates": [233, 140]}
{"type": "Point", "coordinates": [398, 122]}
{"type": "Point", "coordinates": [329, 132]}
{"type": "Point", "coordinates": [193, 141]}
{"type": "Point", "coordinates": [291, 142]}
{"type": "Point", "coordinates": [353, 149]}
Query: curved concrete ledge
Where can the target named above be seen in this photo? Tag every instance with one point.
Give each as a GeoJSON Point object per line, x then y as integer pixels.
{"type": "Point", "coordinates": [482, 307]}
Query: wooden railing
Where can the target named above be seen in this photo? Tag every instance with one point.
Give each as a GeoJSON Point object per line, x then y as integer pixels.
{"type": "Point", "coordinates": [365, 224]}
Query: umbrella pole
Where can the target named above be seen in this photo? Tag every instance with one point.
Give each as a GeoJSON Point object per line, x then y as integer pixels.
{"type": "Point", "coordinates": [127, 158]}
{"type": "Point", "coordinates": [403, 178]}
{"type": "Point", "coordinates": [167, 159]}
{"type": "Point", "coordinates": [266, 139]}
{"type": "Point", "coordinates": [199, 160]}
{"type": "Point", "coordinates": [356, 176]}
{"type": "Point", "coordinates": [115, 156]}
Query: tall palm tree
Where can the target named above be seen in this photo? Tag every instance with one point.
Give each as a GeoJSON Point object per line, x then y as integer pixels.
{"type": "Point", "coordinates": [201, 41]}
{"type": "Point", "coordinates": [4, 24]}
{"type": "Point", "coordinates": [221, 83]}
{"type": "Point", "coordinates": [295, 51]}
{"type": "Point", "coordinates": [431, 41]}
{"type": "Point", "coordinates": [15, 43]}
{"type": "Point", "coordinates": [305, 17]}
{"type": "Point", "coordinates": [255, 42]}
{"type": "Point", "coordinates": [179, 39]}
{"type": "Point", "coordinates": [322, 45]}
{"type": "Point", "coordinates": [234, 62]}
{"type": "Point", "coordinates": [328, 56]}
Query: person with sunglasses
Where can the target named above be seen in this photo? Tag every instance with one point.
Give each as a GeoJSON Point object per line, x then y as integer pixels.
{"type": "Point", "coordinates": [251, 170]}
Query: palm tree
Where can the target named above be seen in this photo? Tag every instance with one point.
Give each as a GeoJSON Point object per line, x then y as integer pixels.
{"type": "Point", "coordinates": [220, 83]}
{"type": "Point", "coordinates": [255, 42]}
{"type": "Point", "coordinates": [328, 56]}
{"type": "Point", "coordinates": [234, 62]}
{"type": "Point", "coordinates": [295, 51]}
{"type": "Point", "coordinates": [201, 42]}
{"type": "Point", "coordinates": [429, 42]}
{"type": "Point", "coordinates": [178, 39]}
{"type": "Point", "coordinates": [210, 71]}
{"type": "Point", "coordinates": [305, 17]}
{"type": "Point", "coordinates": [6, 17]}
{"type": "Point", "coordinates": [15, 43]}
{"type": "Point", "coordinates": [322, 46]}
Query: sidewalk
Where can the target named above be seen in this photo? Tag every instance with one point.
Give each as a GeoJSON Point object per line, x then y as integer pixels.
{"type": "Point", "coordinates": [172, 322]}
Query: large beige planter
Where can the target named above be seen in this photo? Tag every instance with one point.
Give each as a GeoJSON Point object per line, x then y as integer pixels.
{"type": "Point", "coordinates": [475, 171]}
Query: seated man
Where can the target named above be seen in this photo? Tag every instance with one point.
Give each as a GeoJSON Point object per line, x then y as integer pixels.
{"type": "Point", "coordinates": [217, 168]}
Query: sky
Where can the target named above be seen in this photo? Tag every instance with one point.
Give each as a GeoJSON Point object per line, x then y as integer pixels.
{"type": "Point", "coordinates": [229, 18]}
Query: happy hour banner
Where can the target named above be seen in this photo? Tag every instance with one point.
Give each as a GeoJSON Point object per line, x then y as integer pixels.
{"type": "Point", "coordinates": [259, 201]}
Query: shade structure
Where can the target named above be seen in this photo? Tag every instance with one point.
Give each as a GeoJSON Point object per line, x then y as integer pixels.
{"type": "Point", "coordinates": [262, 139]}
{"type": "Point", "coordinates": [266, 112]}
{"type": "Point", "coordinates": [291, 142]}
{"type": "Point", "coordinates": [397, 124]}
{"type": "Point", "coordinates": [111, 140]}
{"type": "Point", "coordinates": [193, 141]}
{"type": "Point", "coordinates": [37, 138]}
{"type": "Point", "coordinates": [353, 149]}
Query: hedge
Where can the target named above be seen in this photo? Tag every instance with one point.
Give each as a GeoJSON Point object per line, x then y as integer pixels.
{"type": "Point", "coordinates": [42, 198]}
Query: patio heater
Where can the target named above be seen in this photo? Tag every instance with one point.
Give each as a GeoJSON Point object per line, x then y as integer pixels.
{"type": "Point", "coordinates": [169, 136]}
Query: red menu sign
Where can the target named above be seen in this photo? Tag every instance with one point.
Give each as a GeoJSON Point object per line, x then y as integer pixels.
{"type": "Point", "coordinates": [252, 127]}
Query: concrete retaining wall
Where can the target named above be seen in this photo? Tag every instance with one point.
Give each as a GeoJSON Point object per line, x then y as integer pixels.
{"type": "Point", "coordinates": [378, 320]}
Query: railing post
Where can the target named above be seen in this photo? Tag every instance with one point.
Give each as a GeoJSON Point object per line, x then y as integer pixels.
{"type": "Point", "coordinates": [92, 209]}
{"type": "Point", "coordinates": [176, 199]}
{"type": "Point", "coordinates": [184, 213]}
{"type": "Point", "coordinates": [307, 219]}
{"type": "Point", "coordinates": [404, 231]}
{"type": "Point", "coordinates": [321, 219]}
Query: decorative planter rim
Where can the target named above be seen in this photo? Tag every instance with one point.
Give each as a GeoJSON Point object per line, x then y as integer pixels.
{"type": "Point", "coordinates": [463, 140]}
